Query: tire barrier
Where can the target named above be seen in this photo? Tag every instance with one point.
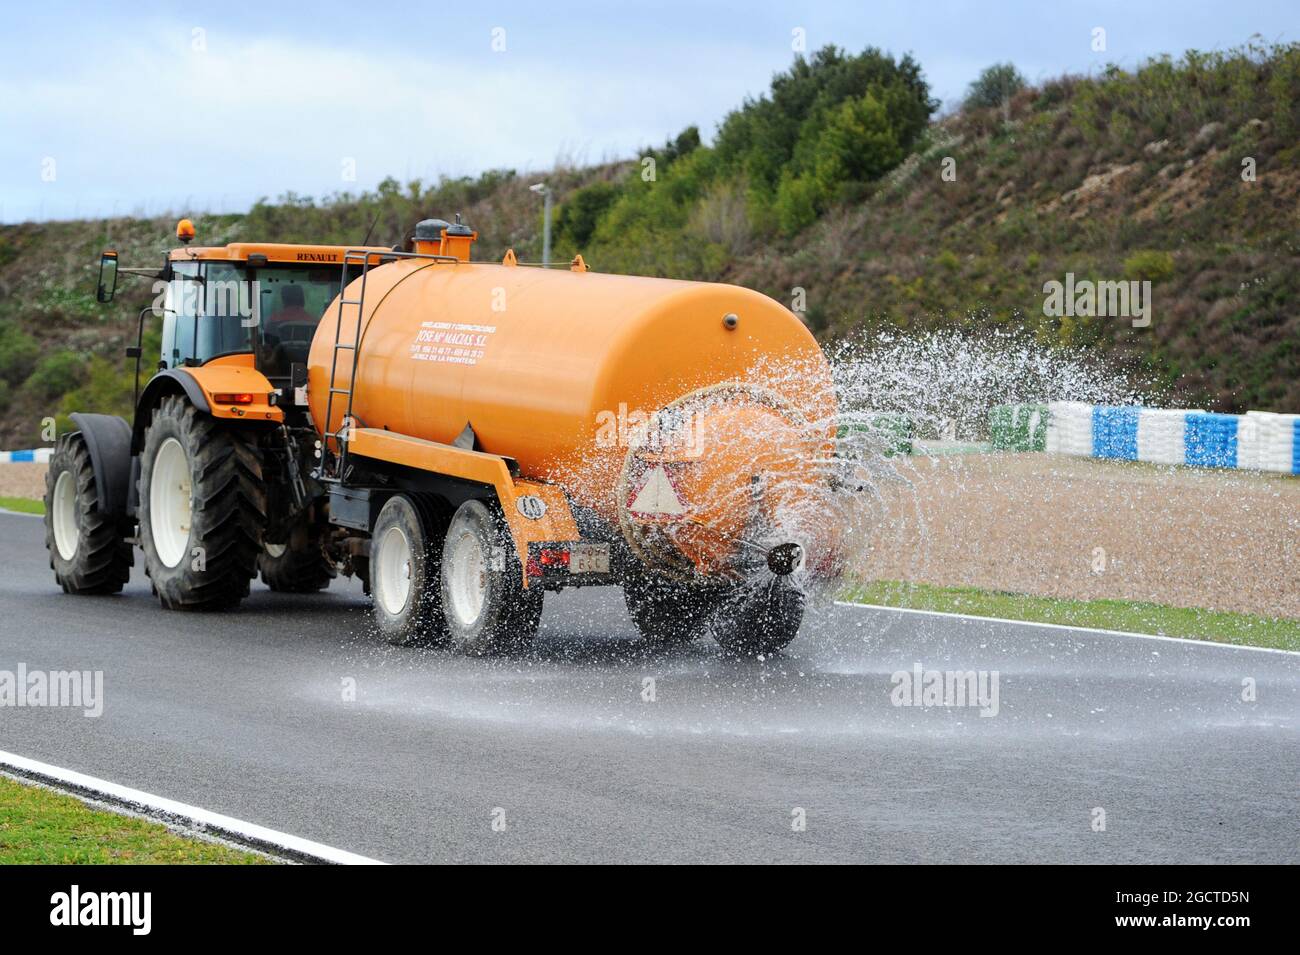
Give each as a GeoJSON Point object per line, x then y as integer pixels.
{"type": "Point", "coordinates": [1018, 427]}
{"type": "Point", "coordinates": [1069, 428]}
{"type": "Point", "coordinates": [882, 433]}
{"type": "Point", "coordinates": [1269, 442]}
{"type": "Point", "coordinates": [41, 455]}
{"type": "Point", "coordinates": [1257, 440]}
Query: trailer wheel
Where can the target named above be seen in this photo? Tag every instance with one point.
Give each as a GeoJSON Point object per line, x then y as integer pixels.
{"type": "Point", "coordinates": [757, 621]}
{"type": "Point", "coordinates": [88, 552]}
{"type": "Point", "coordinates": [202, 508]}
{"type": "Point", "coordinates": [403, 567]}
{"type": "Point", "coordinates": [666, 612]}
{"type": "Point", "coordinates": [299, 566]}
{"type": "Point", "coordinates": [488, 608]}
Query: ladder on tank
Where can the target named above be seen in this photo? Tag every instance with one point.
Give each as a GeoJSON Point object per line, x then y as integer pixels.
{"type": "Point", "coordinates": [333, 466]}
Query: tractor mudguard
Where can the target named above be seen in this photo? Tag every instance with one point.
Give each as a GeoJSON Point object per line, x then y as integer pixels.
{"type": "Point", "coordinates": [169, 382]}
{"type": "Point", "coordinates": [203, 386]}
{"type": "Point", "coordinates": [108, 439]}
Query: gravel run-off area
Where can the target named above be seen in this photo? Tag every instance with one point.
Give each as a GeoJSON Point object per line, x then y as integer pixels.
{"type": "Point", "coordinates": [1079, 528]}
{"type": "Point", "coordinates": [22, 479]}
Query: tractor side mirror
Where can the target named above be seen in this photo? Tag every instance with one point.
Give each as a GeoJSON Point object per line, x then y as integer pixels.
{"type": "Point", "coordinates": [107, 277]}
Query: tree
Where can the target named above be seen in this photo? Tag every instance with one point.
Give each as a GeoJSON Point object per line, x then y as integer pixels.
{"type": "Point", "coordinates": [997, 84]}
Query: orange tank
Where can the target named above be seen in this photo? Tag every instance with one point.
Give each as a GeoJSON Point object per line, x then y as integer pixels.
{"type": "Point", "coordinates": [684, 412]}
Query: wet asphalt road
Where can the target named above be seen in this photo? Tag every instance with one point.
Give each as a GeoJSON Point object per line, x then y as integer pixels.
{"type": "Point", "coordinates": [244, 714]}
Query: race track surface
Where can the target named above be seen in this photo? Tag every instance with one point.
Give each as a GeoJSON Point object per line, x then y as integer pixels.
{"type": "Point", "coordinates": [244, 714]}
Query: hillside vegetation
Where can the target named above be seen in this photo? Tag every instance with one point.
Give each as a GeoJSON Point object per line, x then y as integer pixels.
{"type": "Point", "coordinates": [839, 193]}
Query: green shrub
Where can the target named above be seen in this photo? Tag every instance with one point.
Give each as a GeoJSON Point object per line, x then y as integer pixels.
{"type": "Point", "coordinates": [997, 84]}
{"type": "Point", "coordinates": [1149, 265]}
{"type": "Point", "coordinates": [107, 389]}
{"type": "Point", "coordinates": [18, 354]}
{"type": "Point", "coordinates": [577, 217]}
{"type": "Point", "coordinates": [859, 143]}
{"type": "Point", "coordinates": [797, 202]}
{"type": "Point", "coordinates": [55, 375]}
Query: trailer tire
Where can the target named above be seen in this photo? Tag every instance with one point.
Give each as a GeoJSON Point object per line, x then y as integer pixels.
{"type": "Point", "coordinates": [488, 609]}
{"type": "Point", "coordinates": [760, 621]}
{"type": "Point", "coordinates": [200, 552]}
{"type": "Point", "coordinates": [405, 550]}
{"type": "Point", "coordinates": [89, 554]}
{"type": "Point", "coordinates": [668, 612]}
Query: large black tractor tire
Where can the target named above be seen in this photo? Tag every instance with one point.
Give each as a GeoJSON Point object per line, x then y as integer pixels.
{"type": "Point", "coordinates": [669, 613]}
{"type": "Point", "coordinates": [89, 552]}
{"type": "Point", "coordinates": [202, 508]}
{"type": "Point", "coordinates": [405, 552]}
{"type": "Point", "coordinates": [487, 607]}
{"type": "Point", "coordinates": [758, 620]}
{"type": "Point", "coordinates": [300, 565]}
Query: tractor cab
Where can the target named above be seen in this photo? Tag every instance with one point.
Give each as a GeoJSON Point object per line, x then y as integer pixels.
{"type": "Point", "coordinates": [259, 300]}
{"type": "Point", "coordinates": [262, 299]}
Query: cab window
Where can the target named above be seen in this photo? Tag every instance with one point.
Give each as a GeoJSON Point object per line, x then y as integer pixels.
{"type": "Point", "coordinates": [292, 301]}
{"type": "Point", "coordinates": [180, 308]}
{"type": "Point", "coordinates": [217, 308]}
{"type": "Point", "coordinates": [228, 319]}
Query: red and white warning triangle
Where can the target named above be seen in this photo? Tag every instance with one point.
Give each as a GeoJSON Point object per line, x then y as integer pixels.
{"type": "Point", "coordinates": [657, 496]}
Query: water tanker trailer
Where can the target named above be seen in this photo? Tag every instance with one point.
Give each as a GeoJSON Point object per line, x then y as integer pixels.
{"type": "Point", "coordinates": [464, 437]}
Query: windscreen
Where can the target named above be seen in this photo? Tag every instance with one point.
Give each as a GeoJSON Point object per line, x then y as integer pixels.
{"type": "Point", "coordinates": [292, 301]}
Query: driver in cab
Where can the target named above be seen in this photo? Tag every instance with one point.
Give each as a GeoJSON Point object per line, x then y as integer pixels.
{"type": "Point", "coordinates": [291, 308]}
{"type": "Point", "coordinates": [282, 332]}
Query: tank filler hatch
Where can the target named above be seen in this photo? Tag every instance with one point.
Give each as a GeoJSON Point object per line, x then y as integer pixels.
{"type": "Point", "coordinates": [440, 237]}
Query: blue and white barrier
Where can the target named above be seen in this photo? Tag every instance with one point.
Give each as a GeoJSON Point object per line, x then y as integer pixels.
{"type": "Point", "coordinates": [1256, 440]}
{"type": "Point", "coordinates": [41, 455]}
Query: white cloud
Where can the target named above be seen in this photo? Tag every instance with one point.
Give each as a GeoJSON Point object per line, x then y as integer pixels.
{"type": "Point", "coordinates": [153, 119]}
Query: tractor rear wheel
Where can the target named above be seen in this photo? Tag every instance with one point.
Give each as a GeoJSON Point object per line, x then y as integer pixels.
{"type": "Point", "coordinates": [488, 608]}
{"type": "Point", "coordinates": [88, 551]}
{"type": "Point", "coordinates": [202, 508]}
{"type": "Point", "coordinates": [300, 565]}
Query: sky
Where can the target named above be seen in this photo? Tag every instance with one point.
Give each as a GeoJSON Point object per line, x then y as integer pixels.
{"type": "Point", "coordinates": [187, 107]}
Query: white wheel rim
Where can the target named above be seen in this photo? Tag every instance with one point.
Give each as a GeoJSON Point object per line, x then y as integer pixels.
{"type": "Point", "coordinates": [64, 518]}
{"type": "Point", "coordinates": [170, 502]}
{"type": "Point", "coordinates": [467, 578]}
{"type": "Point", "coordinates": [394, 570]}
{"type": "Point", "coordinates": [275, 551]}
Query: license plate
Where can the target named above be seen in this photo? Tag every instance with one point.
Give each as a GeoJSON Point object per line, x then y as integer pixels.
{"type": "Point", "coordinates": [589, 559]}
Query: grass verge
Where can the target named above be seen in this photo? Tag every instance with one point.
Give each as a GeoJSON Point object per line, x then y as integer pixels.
{"type": "Point", "coordinates": [1212, 625]}
{"type": "Point", "coordinates": [24, 504]}
{"type": "Point", "coordinates": [39, 826]}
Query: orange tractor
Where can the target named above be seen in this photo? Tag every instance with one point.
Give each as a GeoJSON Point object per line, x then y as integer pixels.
{"type": "Point", "coordinates": [462, 436]}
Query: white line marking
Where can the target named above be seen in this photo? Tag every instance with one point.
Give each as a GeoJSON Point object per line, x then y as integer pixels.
{"type": "Point", "coordinates": [1062, 626]}
{"type": "Point", "coordinates": [186, 815]}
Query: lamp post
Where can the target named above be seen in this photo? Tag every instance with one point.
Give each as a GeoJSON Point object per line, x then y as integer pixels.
{"type": "Point", "coordinates": [544, 191]}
